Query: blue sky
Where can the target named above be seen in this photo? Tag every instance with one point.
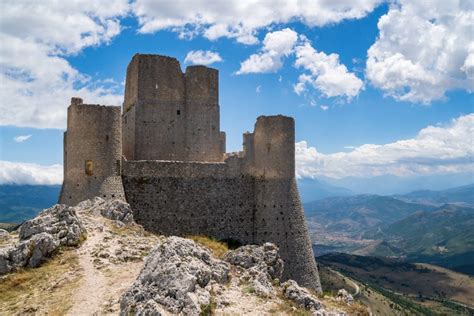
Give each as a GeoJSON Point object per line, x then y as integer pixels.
{"type": "Point", "coordinates": [387, 91]}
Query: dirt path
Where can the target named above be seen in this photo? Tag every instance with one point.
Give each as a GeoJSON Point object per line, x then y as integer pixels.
{"type": "Point", "coordinates": [89, 297]}
{"type": "Point", "coordinates": [110, 260]}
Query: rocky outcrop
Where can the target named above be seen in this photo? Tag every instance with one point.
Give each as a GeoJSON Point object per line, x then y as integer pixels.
{"type": "Point", "coordinates": [262, 266]}
{"type": "Point", "coordinates": [117, 210]}
{"type": "Point", "coordinates": [182, 277]}
{"type": "Point", "coordinates": [344, 296]}
{"type": "Point", "coordinates": [60, 221]}
{"type": "Point", "coordinates": [40, 237]}
{"type": "Point", "coordinates": [4, 234]}
{"type": "Point", "coordinates": [301, 296]}
{"type": "Point", "coordinates": [174, 277]}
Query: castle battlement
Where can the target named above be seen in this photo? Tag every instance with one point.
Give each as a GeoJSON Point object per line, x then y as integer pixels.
{"type": "Point", "coordinates": [165, 154]}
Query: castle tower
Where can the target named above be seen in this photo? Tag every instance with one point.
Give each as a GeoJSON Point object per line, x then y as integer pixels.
{"type": "Point", "coordinates": [169, 115]}
{"type": "Point", "coordinates": [92, 153]}
{"type": "Point", "coordinates": [279, 216]}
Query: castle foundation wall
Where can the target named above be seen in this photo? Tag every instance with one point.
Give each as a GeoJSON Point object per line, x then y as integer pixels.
{"type": "Point", "coordinates": [221, 200]}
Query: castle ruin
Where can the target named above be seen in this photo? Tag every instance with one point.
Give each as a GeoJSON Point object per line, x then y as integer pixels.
{"type": "Point", "coordinates": [165, 155]}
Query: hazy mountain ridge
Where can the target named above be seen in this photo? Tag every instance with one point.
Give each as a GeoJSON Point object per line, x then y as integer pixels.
{"type": "Point", "coordinates": [314, 189]}
{"type": "Point", "coordinates": [21, 202]}
{"type": "Point", "coordinates": [443, 236]}
{"type": "Point", "coordinates": [387, 226]}
{"type": "Point", "coordinates": [355, 214]}
{"type": "Point", "coordinates": [463, 195]}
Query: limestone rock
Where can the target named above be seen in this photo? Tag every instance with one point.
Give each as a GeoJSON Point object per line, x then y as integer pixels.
{"type": "Point", "coordinates": [117, 210]}
{"type": "Point", "coordinates": [344, 296]}
{"type": "Point", "coordinates": [60, 221]}
{"type": "Point", "coordinates": [41, 237]}
{"type": "Point", "coordinates": [4, 234]}
{"type": "Point", "coordinates": [262, 265]}
{"type": "Point", "coordinates": [29, 253]}
{"type": "Point", "coordinates": [174, 277]}
{"type": "Point", "coordinates": [301, 296]}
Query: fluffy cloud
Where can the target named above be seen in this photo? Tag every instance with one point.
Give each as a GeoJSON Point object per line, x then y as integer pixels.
{"type": "Point", "coordinates": [29, 173]}
{"type": "Point", "coordinates": [424, 49]}
{"type": "Point", "coordinates": [325, 73]}
{"type": "Point", "coordinates": [36, 79]}
{"type": "Point", "coordinates": [21, 138]}
{"type": "Point", "coordinates": [200, 57]}
{"type": "Point", "coordinates": [276, 45]}
{"type": "Point", "coordinates": [436, 149]}
{"type": "Point", "coordinates": [242, 19]}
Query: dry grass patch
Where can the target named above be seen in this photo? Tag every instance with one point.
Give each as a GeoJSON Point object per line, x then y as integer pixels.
{"type": "Point", "coordinates": [218, 248]}
{"type": "Point", "coordinates": [43, 290]}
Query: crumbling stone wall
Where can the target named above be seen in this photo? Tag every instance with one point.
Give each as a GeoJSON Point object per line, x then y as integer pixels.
{"type": "Point", "coordinates": [169, 115]}
{"type": "Point", "coordinates": [92, 153]}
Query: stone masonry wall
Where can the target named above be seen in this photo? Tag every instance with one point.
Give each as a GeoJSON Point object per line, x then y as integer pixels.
{"type": "Point", "coordinates": [92, 153]}
{"type": "Point", "coordinates": [246, 199]}
{"type": "Point", "coordinates": [169, 115]}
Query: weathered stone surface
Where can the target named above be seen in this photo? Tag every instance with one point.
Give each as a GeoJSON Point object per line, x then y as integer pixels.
{"type": "Point", "coordinates": [4, 234]}
{"type": "Point", "coordinates": [262, 264]}
{"type": "Point", "coordinates": [301, 296]}
{"type": "Point", "coordinates": [344, 296]}
{"type": "Point", "coordinates": [174, 277]}
{"type": "Point", "coordinates": [60, 221]}
{"type": "Point", "coordinates": [41, 237]}
{"type": "Point", "coordinates": [29, 253]}
{"type": "Point", "coordinates": [114, 209]}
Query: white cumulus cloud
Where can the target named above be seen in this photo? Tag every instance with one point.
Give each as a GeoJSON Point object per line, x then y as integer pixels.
{"type": "Point", "coordinates": [434, 150]}
{"type": "Point", "coordinates": [21, 138]}
{"type": "Point", "coordinates": [241, 20]}
{"type": "Point", "coordinates": [425, 48]}
{"type": "Point", "coordinates": [29, 173]}
{"type": "Point", "coordinates": [276, 45]}
{"type": "Point", "coordinates": [200, 57]}
{"type": "Point", "coordinates": [36, 81]}
{"type": "Point", "coordinates": [325, 73]}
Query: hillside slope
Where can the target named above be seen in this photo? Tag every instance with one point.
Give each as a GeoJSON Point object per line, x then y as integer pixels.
{"type": "Point", "coordinates": [421, 288]}
{"type": "Point", "coordinates": [444, 237]}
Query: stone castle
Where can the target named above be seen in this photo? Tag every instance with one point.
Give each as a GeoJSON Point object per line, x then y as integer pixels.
{"type": "Point", "coordinates": [164, 153]}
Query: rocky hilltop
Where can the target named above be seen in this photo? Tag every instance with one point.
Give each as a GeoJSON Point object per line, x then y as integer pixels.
{"type": "Point", "coordinates": [94, 259]}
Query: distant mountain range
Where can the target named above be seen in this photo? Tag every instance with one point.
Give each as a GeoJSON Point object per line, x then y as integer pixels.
{"type": "Point", "coordinates": [356, 214]}
{"type": "Point", "coordinates": [390, 184]}
{"type": "Point", "coordinates": [463, 194]}
{"type": "Point", "coordinates": [413, 226]}
{"type": "Point", "coordinates": [22, 202]}
{"type": "Point", "coordinates": [444, 236]}
{"type": "Point", "coordinates": [314, 189]}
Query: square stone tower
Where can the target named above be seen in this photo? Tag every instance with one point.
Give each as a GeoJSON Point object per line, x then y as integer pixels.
{"type": "Point", "coordinates": [168, 115]}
